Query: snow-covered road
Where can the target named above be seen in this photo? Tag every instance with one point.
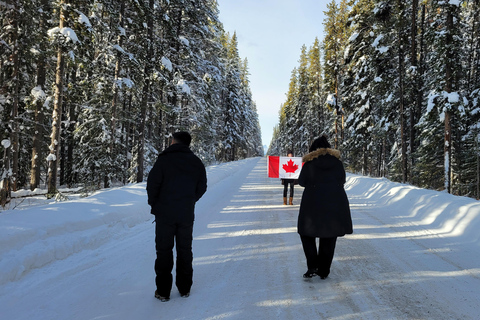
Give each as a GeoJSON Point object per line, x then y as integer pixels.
{"type": "Point", "coordinates": [414, 254]}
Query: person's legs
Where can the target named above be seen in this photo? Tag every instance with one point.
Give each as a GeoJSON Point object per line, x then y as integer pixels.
{"type": "Point", "coordinates": [285, 189]}
{"type": "Point", "coordinates": [164, 241]}
{"type": "Point", "coordinates": [326, 250]}
{"type": "Point", "coordinates": [184, 277]}
{"type": "Point", "coordinates": [291, 193]}
{"type": "Point", "coordinates": [310, 249]}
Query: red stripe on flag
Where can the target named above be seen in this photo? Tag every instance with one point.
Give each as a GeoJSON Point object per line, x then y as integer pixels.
{"type": "Point", "coordinates": [273, 164]}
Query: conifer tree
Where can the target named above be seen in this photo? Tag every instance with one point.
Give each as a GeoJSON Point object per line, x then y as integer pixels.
{"type": "Point", "coordinates": [334, 45]}
{"type": "Point", "coordinates": [316, 116]}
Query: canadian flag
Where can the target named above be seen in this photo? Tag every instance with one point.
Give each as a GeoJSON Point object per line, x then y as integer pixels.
{"type": "Point", "coordinates": [284, 167]}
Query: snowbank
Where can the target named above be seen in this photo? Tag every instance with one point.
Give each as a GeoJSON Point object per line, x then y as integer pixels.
{"type": "Point", "coordinates": [36, 236]}
{"type": "Point", "coordinates": [438, 212]}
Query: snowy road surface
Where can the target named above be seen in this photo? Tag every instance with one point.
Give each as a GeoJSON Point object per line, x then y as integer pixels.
{"type": "Point", "coordinates": [414, 254]}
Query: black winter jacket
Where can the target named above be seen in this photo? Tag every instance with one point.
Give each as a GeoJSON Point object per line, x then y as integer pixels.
{"type": "Point", "coordinates": [177, 180]}
{"type": "Point", "coordinates": [324, 210]}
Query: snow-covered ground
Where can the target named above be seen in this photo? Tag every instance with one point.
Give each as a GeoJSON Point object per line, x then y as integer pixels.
{"type": "Point", "coordinates": [414, 254]}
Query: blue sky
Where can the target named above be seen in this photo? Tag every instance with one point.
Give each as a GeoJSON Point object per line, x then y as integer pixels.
{"type": "Point", "coordinates": [270, 35]}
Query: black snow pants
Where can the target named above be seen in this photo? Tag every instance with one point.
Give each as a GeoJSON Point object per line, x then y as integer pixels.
{"type": "Point", "coordinates": [166, 235]}
{"type": "Point", "coordinates": [321, 260]}
{"type": "Point", "coordinates": [286, 183]}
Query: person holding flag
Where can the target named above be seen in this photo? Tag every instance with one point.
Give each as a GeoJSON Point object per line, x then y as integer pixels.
{"type": "Point", "coordinates": [286, 168]}
{"type": "Point", "coordinates": [286, 183]}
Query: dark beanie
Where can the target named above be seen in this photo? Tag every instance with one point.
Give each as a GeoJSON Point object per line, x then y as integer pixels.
{"type": "Point", "coordinates": [182, 137]}
{"type": "Point", "coordinates": [318, 143]}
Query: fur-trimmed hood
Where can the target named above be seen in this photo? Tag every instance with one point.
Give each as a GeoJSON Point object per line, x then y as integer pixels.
{"type": "Point", "coordinates": [321, 152]}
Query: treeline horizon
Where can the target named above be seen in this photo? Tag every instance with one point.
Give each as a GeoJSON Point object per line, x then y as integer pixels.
{"type": "Point", "coordinates": [395, 85]}
{"type": "Point", "coordinates": [90, 92]}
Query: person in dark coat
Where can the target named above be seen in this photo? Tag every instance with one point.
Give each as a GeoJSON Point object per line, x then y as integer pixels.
{"type": "Point", "coordinates": [286, 183]}
{"type": "Point", "coordinates": [324, 208]}
{"type": "Point", "coordinates": [176, 182]}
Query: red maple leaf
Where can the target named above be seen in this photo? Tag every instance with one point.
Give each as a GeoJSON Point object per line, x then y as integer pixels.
{"type": "Point", "coordinates": [290, 166]}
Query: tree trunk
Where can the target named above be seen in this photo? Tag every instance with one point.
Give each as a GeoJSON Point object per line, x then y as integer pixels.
{"type": "Point", "coordinates": [145, 94]}
{"type": "Point", "coordinates": [5, 188]}
{"type": "Point", "coordinates": [127, 107]}
{"type": "Point", "coordinates": [37, 154]}
{"type": "Point", "coordinates": [473, 54]}
{"type": "Point", "coordinates": [118, 64]}
{"type": "Point", "coordinates": [415, 88]}
{"type": "Point", "coordinates": [478, 166]}
{"type": "Point", "coordinates": [15, 96]}
{"type": "Point", "coordinates": [448, 112]}
{"type": "Point", "coordinates": [72, 120]}
{"type": "Point", "coordinates": [401, 70]}
{"type": "Point", "coordinates": [56, 116]}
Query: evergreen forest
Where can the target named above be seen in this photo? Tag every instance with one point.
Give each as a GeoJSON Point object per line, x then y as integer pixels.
{"type": "Point", "coordinates": [91, 91]}
{"type": "Point", "coordinates": [394, 85]}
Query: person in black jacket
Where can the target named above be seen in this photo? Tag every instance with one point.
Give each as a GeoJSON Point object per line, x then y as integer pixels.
{"type": "Point", "coordinates": [324, 208]}
{"type": "Point", "coordinates": [176, 182]}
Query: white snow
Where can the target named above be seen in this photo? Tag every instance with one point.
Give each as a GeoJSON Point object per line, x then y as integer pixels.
{"type": "Point", "coordinates": [353, 37]}
{"type": "Point", "coordinates": [118, 48]}
{"type": "Point", "coordinates": [184, 41]}
{"type": "Point", "coordinates": [82, 18]}
{"type": "Point", "coordinates": [183, 86]}
{"type": "Point", "coordinates": [382, 49]}
{"type": "Point", "coordinates": [431, 101]}
{"type": "Point", "coordinates": [331, 99]}
{"type": "Point", "coordinates": [125, 81]}
{"type": "Point", "coordinates": [414, 254]}
{"type": "Point", "coordinates": [51, 157]}
{"type": "Point", "coordinates": [452, 97]}
{"type": "Point", "coordinates": [377, 40]}
{"type": "Point", "coordinates": [167, 64]}
{"type": "Point", "coordinates": [38, 93]}
{"type": "Point", "coordinates": [68, 33]}
{"type": "Point", "coordinates": [6, 143]}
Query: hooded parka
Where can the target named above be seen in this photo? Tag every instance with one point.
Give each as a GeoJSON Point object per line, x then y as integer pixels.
{"type": "Point", "coordinates": [324, 210]}
{"type": "Point", "coordinates": [177, 180]}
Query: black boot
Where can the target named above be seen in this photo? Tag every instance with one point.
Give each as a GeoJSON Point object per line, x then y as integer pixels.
{"type": "Point", "coordinates": [310, 273]}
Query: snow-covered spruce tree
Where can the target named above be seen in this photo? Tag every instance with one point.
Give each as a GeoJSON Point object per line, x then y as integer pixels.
{"type": "Point", "coordinates": [303, 116]}
{"type": "Point", "coordinates": [317, 117]}
{"type": "Point", "coordinates": [358, 88]}
{"type": "Point", "coordinates": [204, 100]}
{"type": "Point", "coordinates": [467, 169]}
{"type": "Point", "coordinates": [274, 148]}
{"type": "Point", "coordinates": [285, 140]}
{"type": "Point", "coordinates": [391, 48]}
{"type": "Point", "coordinates": [333, 46]}
{"type": "Point", "coordinates": [300, 144]}
{"type": "Point", "coordinates": [231, 103]}
{"type": "Point", "coordinates": [442, 81]}
{"type": "Point", "coordinates": [195, 52]}
{"type": "Point", "coordinates": [94, 153]}
{"type": "Point", "coordinates": [18, 36]}
{"type": "Point", "coordinates": [252, 142]}
{"type": "Point", "coordinates": [64, 40]}
{"type": "Point", "coordinates": [40, 94]}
